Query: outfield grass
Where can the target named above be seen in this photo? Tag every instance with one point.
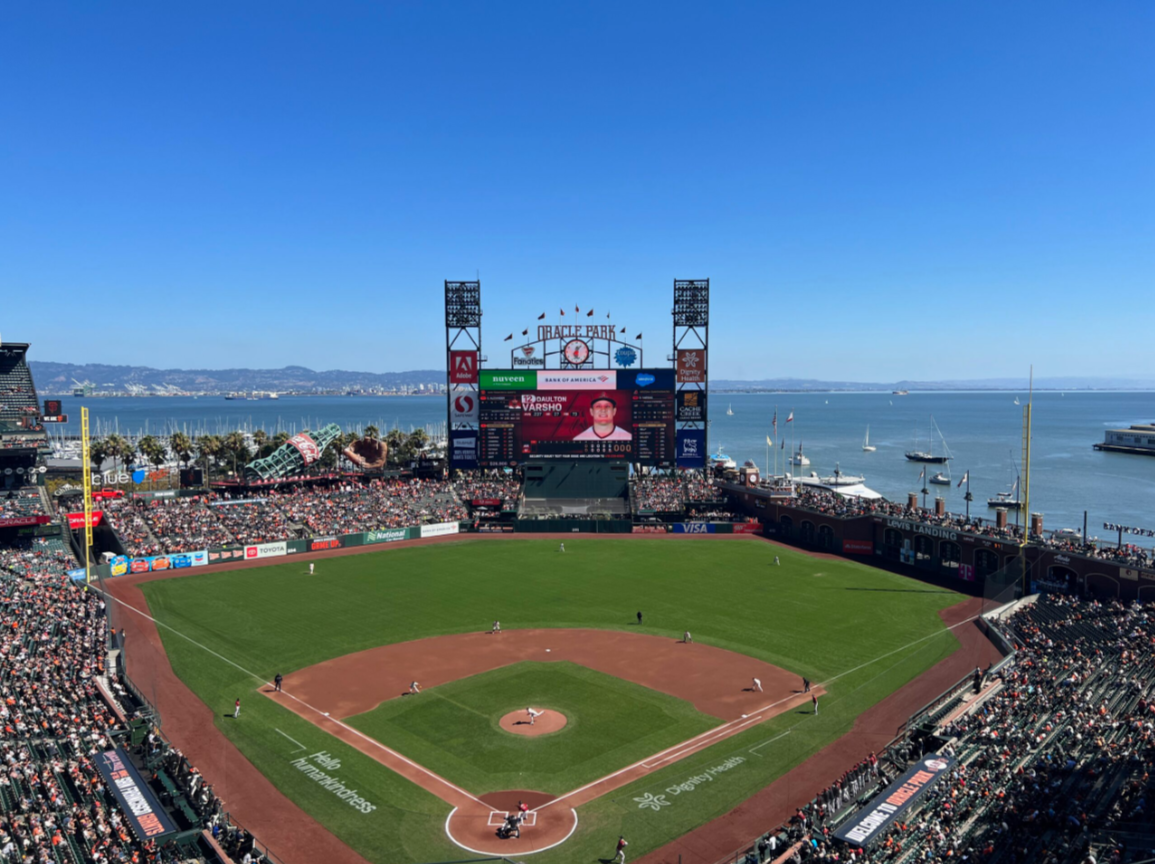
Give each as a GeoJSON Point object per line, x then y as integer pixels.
{"type": "Point", "coordinates": [819, 618]}
{"type": "Point", "coordinates": [453, 729]}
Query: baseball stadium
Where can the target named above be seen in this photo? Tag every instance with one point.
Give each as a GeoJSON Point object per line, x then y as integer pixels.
{"type": "Point", "coordinates": [565, 633]}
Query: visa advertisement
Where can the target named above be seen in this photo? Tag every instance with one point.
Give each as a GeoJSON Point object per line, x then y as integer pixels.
{"type": "Point", "coordinates": [576, 414]}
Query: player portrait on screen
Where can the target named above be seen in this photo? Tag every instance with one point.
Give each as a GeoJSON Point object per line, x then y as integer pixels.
{"type": "Point", "coordinates": [602, 412]}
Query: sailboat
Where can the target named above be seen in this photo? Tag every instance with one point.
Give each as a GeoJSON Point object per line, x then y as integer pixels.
{"type": "Point", "coordinates": [729, 411]}
{"type": "Point", "coordinates": [1016, 400]}
{"type": "Point", "coordinates": [1009, 500]}
{"type": "Point", "coordinates": [867, 447]}
{"type": "Point", "coordinates": [930, 457]}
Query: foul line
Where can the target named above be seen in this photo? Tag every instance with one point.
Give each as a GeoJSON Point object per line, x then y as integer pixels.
{"type": "Point", "coordinates": [725, 730]}
{"type": "Point", "coordinates": [758, 747]}
{"type": "Point", "coordinates": [320, 713]}
{"type": "Point", "coordinates": [300, 746]}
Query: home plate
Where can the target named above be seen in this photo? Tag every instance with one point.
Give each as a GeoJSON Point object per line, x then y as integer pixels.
{"type": "Point", "coordinates": [497, 818]}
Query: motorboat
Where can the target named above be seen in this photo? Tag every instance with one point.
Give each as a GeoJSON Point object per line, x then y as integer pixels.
{"type": "Point", "coordinates": [799, 458]}
{"type": "Point", "coordinates": [940, 479]}
{"type": "Point", "coordinates": [867, 447]}
{"type": "Point", "coordinates": [1007, 500]}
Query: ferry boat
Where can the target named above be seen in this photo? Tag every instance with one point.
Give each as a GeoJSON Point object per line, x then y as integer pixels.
{"type": "Point", "coordinates": [720, 460]}
{"type": "Point", "coordinates": [899, 392]}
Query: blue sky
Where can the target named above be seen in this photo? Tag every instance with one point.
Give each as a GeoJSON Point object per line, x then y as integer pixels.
{"type": "Point", "coordinates": [877, 191]}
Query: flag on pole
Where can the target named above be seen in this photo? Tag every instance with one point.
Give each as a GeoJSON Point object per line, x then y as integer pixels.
{"type": "Point", "coordinates": [922, 473]}
{"type": "Point", "coordinates": [769, 443]}
{"type": "Point", "coordinates": [562, 311]}
{"type": "Point", "coordinates": [525, 332]}
{"type": "Point", "coordinates": [790, 419]}
{"type": "Point", "coordinates": [590, 314]}
{"type": "Point", "coordinates": [964, 479]}
{"type": "Point", "coordinates": [507, 338]}
{"type": "Point", "coordinates": [576, 309]}
{"type": "Point", "coordinates": [541, 317]}
{"type": "Point", "coordinates": [639, 336]}
{"type": "Point", "coordinates": [783, 444]}
{"type": "Point", "coordinates": [774, 422]}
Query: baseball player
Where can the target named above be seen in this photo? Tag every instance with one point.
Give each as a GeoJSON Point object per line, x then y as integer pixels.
{"type": "Point", "coordinates": [277, 682]}
{"type": "Point", "coordinates": [310, 568]}
{"type": "Point", "coordinates": [236, 709]}
{"type": "Point", "coordinates": [533, 714]}
{"type": "Point", "coordinates": [814, 701]}
{"type": "Point", "coordinates": [496, 627]}
{"type": "Point", "coordinates": [757, 685]}
{"type": "Point", "coordinates": [561, 547]}
{"type": "Point", "coordinates": [687, 638]}
{"type": "Point", "coordinates": [414, 687]}
{"type": "Point", "coordinates": [776, 561]}
{"type": "Point", "coordinates": [620, 855]}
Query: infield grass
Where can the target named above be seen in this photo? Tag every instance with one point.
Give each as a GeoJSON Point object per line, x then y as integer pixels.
{"type": "Point", "coordinates": [865, 631]}
{"type": "Point", "coordinates": [453, 729]}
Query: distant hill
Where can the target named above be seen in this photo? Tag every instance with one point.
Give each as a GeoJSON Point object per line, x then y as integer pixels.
{"type": "Point", "coordinates": [58, 378]}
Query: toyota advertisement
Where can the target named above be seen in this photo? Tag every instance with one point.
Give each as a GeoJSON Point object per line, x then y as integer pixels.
{"type": "Point", "coordinates": [576, 414]}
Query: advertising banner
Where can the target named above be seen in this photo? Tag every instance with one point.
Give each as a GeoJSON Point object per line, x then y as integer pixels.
{"type": "Point", "coordinates": [227, 553]}
{"type": "Point", "coordinates": [691, 365]}
{"type": "Point", "coordinates": [858, 547]}
{"type": "Point", "coordinates": [747, 527]}
{"type": "Point", "coordinates": [691, 406]}
{"type": "Point", "coordinates": [504, 380]}
{"type": "Point", "coordinates": [691, 448]}
{"type": "Point", "coordinates": [317, 544]}
{"type": "Point", "coordinates": [463, 408]}
{"type": "Point", "coordinates": [145, 815]}
{"type": "Point", "coordinates": [265, 550]}
{"type": "Point", "coordinates": [463, 449]}
{"type": "Point", "coordinates": [645, 379]}
{"type": "Point", "coordinates": [294, 547]}
{"type": "Point", "coordinates": [76, 520]}
{"type": "Point", "coordinates": [486, 503]}
{"type": "Point", "coordinates": [694, 528]}
{"type": "Point", "coordinates": [389, 535]}
{"type": "Point", "coordinates": [462, 367]}
{"type": "Point", "coordinates": [21, 521]}
{"type": "Point", "coordinates": [966, 572]}
{"type": "Point", "coordinates": [577, 379]}
{"type": "Point", "coordinates": [440, 529]}
{"type": "Point", "coordinates": [650, 529]}
{"type": "Point", "coordinates": [872, 821]}
{"type": "Point", "coordinates": [357, 539]}
{"type": "Point", "coordinates": [495, 528]}
{"type": "Point", "coordinates": [121, 564]}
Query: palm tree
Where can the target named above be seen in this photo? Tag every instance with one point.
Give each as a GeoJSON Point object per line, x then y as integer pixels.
{"type": "Point", "coordinates": [418, 441]}
{"type": "Point", "coordinates": [152, 451]}
{"type": "Point", "coordinates": [209, 448]}
{"type": "Point", "coordinates": [372, 432]}
{"type": "Point", "coordinates": [234, 443]}
{"type": "Point", "coordinates": [98, 451]}
{"type": "Point", "coordinates": [182, 446]}
{"type": "Point", "coordinates": [396, 440]}
{"type": "Point", "coordinates": [120, 449]}
{"type": "Point", "coordinates": [260, 439]}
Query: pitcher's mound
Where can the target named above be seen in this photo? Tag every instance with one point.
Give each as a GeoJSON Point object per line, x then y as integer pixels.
{"type": "Point", "coordinates": [518, 723]}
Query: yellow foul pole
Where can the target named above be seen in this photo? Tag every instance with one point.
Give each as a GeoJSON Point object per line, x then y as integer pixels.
{"type": "Point", "coordinates": [86, 464]}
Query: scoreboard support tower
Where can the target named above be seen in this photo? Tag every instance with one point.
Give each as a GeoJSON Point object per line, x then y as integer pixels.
{"type": "Point", "coordinates": [691, 347]}
{"type": "Point", "coordinates": [462, 341]}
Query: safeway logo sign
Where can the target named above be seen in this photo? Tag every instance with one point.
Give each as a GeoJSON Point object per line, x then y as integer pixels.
{"type": "Point", "coordinates": [462, 367]}
{"type": "Point", "coordinates": [464, 408]}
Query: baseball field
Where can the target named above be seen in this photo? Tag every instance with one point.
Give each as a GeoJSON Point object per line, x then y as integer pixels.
{"type": "Point", "coordinates": [660, 736]}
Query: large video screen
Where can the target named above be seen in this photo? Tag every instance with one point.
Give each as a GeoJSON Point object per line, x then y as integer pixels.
{"type": "Point", "coordinates": [576, 414]}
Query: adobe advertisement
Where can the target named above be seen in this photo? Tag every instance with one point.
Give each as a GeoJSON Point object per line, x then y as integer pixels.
{"type": "Point", "coordinates": [576, 414]}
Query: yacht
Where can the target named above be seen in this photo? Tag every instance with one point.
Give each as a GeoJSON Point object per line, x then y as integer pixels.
{"type": "Point", "coordinates": [799, 458]}
{"type": "Point", "coordinates": [929, 456]}
{"type": "Point", "coordinates": [867, 447]}
{"type": "Point", "coordinates": [940, 479]}
{"type": "Point", "coordinates": [838, 478]}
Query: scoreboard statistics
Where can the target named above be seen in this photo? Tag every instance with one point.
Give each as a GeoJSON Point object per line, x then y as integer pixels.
{"type": "Point", "coordinates": [576, 414]}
